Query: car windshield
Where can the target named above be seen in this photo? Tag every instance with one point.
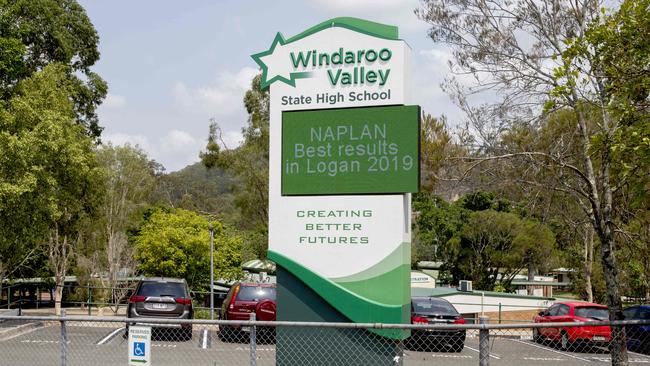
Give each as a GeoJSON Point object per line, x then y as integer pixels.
{"type": "Point", "coordinates": [592, 312]}
{"type": "Point", "coordinates": [432, 306]}
{"type": "Point", "coordinates": [255, 293]}
{"type": "Point", "coordinates": [159, 289]}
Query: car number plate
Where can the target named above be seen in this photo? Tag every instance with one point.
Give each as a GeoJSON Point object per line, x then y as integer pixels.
{"type": "Point", "coordinates": [599, 338]}
{"type": "Point", "coordinates": [246, 329]}
{"type": "Point", "coordinates": [159, 306]}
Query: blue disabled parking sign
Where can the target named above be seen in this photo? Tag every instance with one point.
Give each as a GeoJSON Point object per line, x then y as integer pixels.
{"type": "Point", "coordinates": [139, 349]}
{"type": "Point", "coordinates": [139, 346]}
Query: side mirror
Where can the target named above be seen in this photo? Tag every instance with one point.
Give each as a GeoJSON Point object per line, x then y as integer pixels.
{"type": "Point", "coordinates": [541, 313]}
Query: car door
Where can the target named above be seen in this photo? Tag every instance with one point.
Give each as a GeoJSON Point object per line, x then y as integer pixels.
{"type": "Point", "coordinates": [643, 331]}
{"type": "Point", "coordinates": [547, 318]}
{"type": "Point", "coordinates": [631, 331]}
{"type": "Point", "coordinates": [559, 313]}
{"type": "Point", "coordinates": [562, 316]}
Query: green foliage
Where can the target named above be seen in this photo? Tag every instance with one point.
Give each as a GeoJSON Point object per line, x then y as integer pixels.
{"type": "Point", "coordinates": [476, 242]}
{"type": "Point", "coordinates": [199, 189]}
{"type": "Point", "coordinates": [248, 163]}
{"type": "Point", "coordinates": [437, 222]}
{"type": "Point", "coordinates": [49, 176]}
{"type": "Point", "coordinates": [176, 243]}
{"type": "Point", "coordinates": [37, 33]}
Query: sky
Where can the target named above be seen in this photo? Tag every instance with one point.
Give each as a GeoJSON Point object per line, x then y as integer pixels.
{"type": "Point", "coordinates": [171, 66]}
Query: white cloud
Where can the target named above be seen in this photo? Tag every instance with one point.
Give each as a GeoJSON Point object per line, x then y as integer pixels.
{"type": "Point", "coordinates": [175, 149]}
{"type": "Point", "coordinates": [119, 139]}
{"type": "Point", "coordinates": [176, 141]}
{"type": "Point", "coordinates": [438, 57]}
{"type": "Point", "coordinates": [393, 12]}
{"type": "Point", "coordinates": [221, 98]}
{"type": "Point", "coordinates": [114, 101]}
{"type": "Point", "coordinates": [232, 139]}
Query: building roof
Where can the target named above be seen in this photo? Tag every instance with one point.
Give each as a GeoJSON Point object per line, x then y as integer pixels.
{"type": "Point", "coordinates": [450, 291]}
{"type": "Point", "coordinates": [257, 265]}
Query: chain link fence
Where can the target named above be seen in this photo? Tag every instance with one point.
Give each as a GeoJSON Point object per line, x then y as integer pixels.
{"type": "Point", "coordinates": [34, 340]}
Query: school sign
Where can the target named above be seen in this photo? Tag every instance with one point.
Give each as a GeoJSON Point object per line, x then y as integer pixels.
{"type": "Point", "coordinates": [344, 158]}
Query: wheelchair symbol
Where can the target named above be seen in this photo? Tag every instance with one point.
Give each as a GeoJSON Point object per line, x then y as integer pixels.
{"type": "Point", "coordinates": [138, 349]}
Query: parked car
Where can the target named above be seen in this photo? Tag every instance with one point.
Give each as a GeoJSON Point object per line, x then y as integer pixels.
{"type": "Point", "coordinates": [434, 310]}
{"type": "Point", "coordinates": [638, 336]}
{"type": "Point", "coordinates": [161, 297]}
{"type": "Point", "coordinates": [244, 299]}
{"type": "Point", "coordinates": [571, 337]}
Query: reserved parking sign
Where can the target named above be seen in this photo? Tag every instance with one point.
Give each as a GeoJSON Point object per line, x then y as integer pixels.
{"type": "Point", "coordinates": [139, 346]}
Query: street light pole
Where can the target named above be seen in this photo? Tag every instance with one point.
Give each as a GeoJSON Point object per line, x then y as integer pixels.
{"type": "Point", "coordinates": [211, 272]}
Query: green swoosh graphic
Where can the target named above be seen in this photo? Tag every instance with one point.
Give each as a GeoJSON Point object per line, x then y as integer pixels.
{"type": "Point", "coordinates": [356, 24]}
{"type": "Point", "coordinates": [354, 306]}
{"type": "Point", "coordinates": [382, 281]}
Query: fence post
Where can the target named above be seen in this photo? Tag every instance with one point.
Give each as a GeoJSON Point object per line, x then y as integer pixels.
{"type": "Point", "coordinates": [499, 313]}
{"type": "Point", "coordinates": [90, 298]}
{"type": "Point", "coordinates": [64, 341]}
{"type": "Point", "coordinates": [253, 348]}
{"type": "Point", "coordinates": [484, 342]}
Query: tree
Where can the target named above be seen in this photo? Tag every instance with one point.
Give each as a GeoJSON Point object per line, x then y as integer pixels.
{"type": "Point", "coordinates": [493, 247]}
{"type": "Point", "coordinates": [477, 238]}
{"type": "Point", "coordinates": [36, 33]}
{"type": "Point", "coordinates": [175, 243]}
{"type": "Point", "coordinates": [129, 182]}
{"type": "Point", "coordinates": [249, 163]}
{"type": "Point", "coordinates": [50, 181]}
{"type": "Point", "coordinates": [436, 222]}
{"type": "Point", "coordinates": [196, 188]}
{"type": "Point", "coordinates": [558, 56]}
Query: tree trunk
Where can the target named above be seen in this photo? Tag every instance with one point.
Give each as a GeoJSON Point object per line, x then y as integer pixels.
{"type": "Point", "coordinates": [601, 218]}
{"type": "Point", "coordinates": [531, 277]}
{"type": "Point", "coordinates": [589, 261]}
{"type": "Point", "coordinates": [58, 295]}
{"type": "Point", "coordinates": [605, 229]}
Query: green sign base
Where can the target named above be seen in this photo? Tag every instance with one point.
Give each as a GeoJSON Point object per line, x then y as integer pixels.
{"type": "Point", "coordinates": [324, 346]}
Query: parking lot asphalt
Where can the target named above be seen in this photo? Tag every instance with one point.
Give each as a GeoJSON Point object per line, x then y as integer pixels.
{"type": "Point", "coordinates": [106, 345]}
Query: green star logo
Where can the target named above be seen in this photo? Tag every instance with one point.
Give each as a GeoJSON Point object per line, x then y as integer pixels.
{"type": "Point", "coordinates": [276, 64]}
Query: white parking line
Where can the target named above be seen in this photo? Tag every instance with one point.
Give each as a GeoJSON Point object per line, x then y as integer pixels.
{"type": "Point", "coordinates": [638, 354]}
{"type": "Point", "coordinates": [109, 337]}
{"type": "Point", "coordinates": [204, 340]}
{"type": "Point", "coordinates": [550, 350]}
{"type": "Point", "coordinates": [479, 352]}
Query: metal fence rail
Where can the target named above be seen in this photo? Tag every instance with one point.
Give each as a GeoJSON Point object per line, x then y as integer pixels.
{"type": "Point", "coordinates": [84, 340]}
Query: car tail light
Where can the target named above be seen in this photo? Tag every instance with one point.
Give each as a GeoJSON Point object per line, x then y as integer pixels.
{"type": "Point", "coordinates": [234, 298]}
{"type": "Point", "coordinates": [419, 320]}
{"type": "Point", "coordinates": [184, 301]}
{"type": "Point", "coordinates": [134, 299]}
{"type": "Point", "coordinates": [459, 321]}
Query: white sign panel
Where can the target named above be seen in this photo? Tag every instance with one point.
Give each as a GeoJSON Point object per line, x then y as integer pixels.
{"type": "Point", "coordinates": [345, 247]}
{"type": "Point", "coordinates": [139, 346]}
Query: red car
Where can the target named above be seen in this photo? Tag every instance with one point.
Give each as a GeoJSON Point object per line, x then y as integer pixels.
{"type": "Point", "coordinates": [570, 337]}
{"type": "Point", "coordinates": [243, 299]}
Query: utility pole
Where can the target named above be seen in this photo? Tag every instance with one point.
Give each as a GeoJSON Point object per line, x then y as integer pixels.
{"type": "Point", "coordinates": [211, 272]}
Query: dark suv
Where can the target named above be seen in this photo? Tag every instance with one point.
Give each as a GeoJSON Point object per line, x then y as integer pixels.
{"type": "Point", "coordinates": [244, 299]}
{"type": "Point", "coordinates": [161, 297]}
{"type": "Point", "coordinates": [434, 311]}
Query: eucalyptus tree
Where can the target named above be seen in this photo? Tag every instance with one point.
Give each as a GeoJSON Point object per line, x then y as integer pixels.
{"type": "Point", "coordinates": [37, 33]}
{"type": "Point", "coordinates": [532, 57]}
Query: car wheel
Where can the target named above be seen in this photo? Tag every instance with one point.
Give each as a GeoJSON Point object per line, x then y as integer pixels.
{"type": "Point", "coordinates": [186, 334]}
{"type": "Point", "coordinates": [565, 342]}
